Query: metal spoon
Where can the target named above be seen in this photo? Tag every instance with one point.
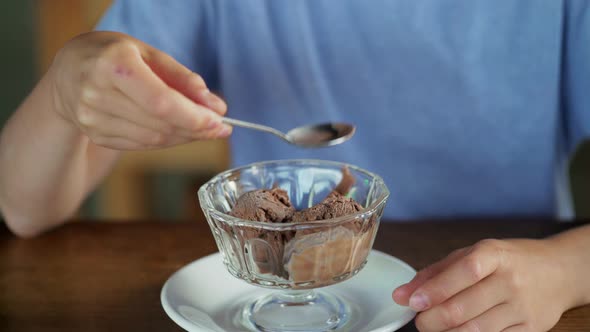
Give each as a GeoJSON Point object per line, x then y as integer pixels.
{"type": "Point", "coordinates": [310, 136]}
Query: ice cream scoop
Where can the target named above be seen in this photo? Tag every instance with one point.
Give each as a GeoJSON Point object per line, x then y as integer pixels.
{"type": "Point", "coordinates": [309, 136]}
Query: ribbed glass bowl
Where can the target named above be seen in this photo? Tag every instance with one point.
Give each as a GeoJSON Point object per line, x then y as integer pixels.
{"type": "Point", "coordinates": [294, 256]}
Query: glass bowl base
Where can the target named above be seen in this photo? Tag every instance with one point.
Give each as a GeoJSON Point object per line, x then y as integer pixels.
{"type": "Point", "coordinates": [295, 311]}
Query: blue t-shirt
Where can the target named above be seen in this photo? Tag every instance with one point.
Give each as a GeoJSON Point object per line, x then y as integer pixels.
{"type": "Point", "coordinates": [466, 108]}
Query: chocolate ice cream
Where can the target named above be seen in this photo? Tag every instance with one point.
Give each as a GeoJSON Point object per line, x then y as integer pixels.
{"type": "Point", "coordinates": [266, 205]}
{"type": "Point", "coordinates": [273, 205]}
{"type": "Point", "coordinates": [310, 257]}
{"type": "Point", "coordinates": [333, 206]}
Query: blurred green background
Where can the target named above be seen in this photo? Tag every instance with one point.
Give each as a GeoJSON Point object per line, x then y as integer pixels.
{"type": "Point", "coordinates": [158, 184]}
{"type": "Point", "coordinates": [17, 65]}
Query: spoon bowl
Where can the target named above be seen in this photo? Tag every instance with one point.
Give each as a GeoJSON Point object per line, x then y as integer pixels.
{"type": "Point", "coordinates": [309, 136]}
{"type": "Point", "coordinates": [325, 134]}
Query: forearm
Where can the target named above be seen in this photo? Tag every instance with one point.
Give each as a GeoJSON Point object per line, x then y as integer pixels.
{"type": "Point", "coordinates": [47, 166]}
{"type": "Point", "coordinates": [573, 250]}
{"type": "Point", "coordinates": [105, 92]}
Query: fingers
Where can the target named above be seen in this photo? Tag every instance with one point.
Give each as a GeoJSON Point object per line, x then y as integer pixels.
{"type": "Point", "coordinates": [402, 294]}
{"type": "Point", "coordinates": [208, 98]}
{"type": "Point", "coordinates": [119, 133]}
{"type": "Point", "coordinates": [118, 143]}
{"type": "Point", "coordinates": [502, 317]}
{"type": "Point", "coordinates": [479, 262]}
{"type": "Point", "coordinates": [123, 103]}
{"type": "Point", "coordinates": [134, 78]}
{"type": "Point", "coordinates": [214, 133]}
{"type": "Point", "coordinates": [116, 104]}
{"type": "Point", "coordinates": [122, 143]}
{"type": "Point", "coordinates": [183, 80]}
{"type": "Point", "coordinates": [464, 306]}
{"type": "Point", "coordinates": [98, 125]}
{"type": "Point", "coordinates": [518, 328]}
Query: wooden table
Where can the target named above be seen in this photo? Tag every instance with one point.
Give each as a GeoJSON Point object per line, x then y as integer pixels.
{"type": "Point", "coordinates": [96, 276]}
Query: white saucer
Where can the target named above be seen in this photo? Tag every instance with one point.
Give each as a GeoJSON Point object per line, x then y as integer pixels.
{"type": "Point", "coordinates": [201, 295]}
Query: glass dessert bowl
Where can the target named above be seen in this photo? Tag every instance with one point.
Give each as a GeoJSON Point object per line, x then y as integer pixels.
{"type": "Point", "coordinates": [294, 226]}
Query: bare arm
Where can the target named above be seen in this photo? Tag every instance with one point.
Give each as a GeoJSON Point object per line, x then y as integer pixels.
{"type": "Point", "coordinates": [104, 93]}
{"type": "Point", "coordinates": [573, 248]}
{"type": "Point", "coordinates": [47, 165]}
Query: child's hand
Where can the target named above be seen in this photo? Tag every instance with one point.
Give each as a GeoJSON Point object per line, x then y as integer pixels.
{"type": "Point", "coordinates": [126, 95]}
{"type": "Point", "coordinates": [495, 285]}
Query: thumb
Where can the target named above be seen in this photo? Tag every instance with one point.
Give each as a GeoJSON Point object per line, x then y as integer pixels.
{"type": "Point", "coordinates": [182, 79]}
{"type": "Point", "coordinates": [401, 295]}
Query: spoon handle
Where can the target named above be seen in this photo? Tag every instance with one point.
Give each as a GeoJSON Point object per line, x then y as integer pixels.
{"type": "Point", "coordinates": [254, 126]}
